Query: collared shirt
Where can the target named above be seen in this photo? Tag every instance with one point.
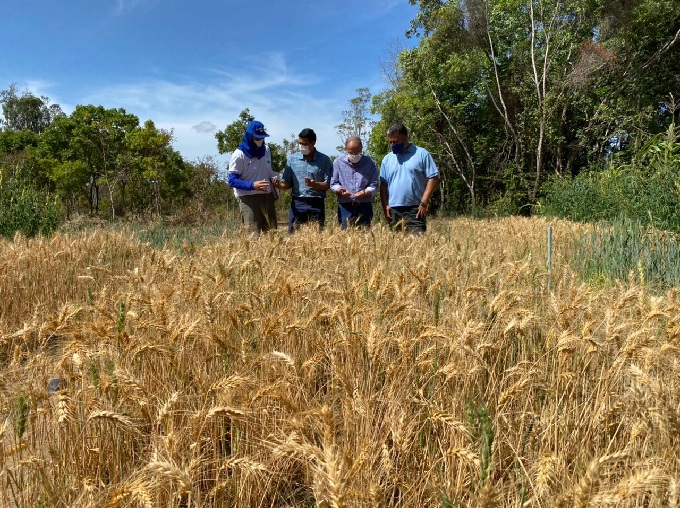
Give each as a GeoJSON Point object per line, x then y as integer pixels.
{"type": "Point", "coordinates": [354, 178]}
{"type": "Point", "coordinates": [406, 175]}
{"type": "Point", "coordinates": [318, 168]}
{"type": "Point", "coordinates": [251, 169]}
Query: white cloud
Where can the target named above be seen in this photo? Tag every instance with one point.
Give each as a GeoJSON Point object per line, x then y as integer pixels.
{"type": "Point", "coordinates": [125, 6]}
{"type": "Point", "coordinates": [205, 126]}
{"type": "Point", "coordinates": [285, 100]}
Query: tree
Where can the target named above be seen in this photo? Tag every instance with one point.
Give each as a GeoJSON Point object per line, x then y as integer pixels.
{"type": "Point", "coordinates": [439, 98]}
{"type": "Point", "coordinates": [96, 136]}
{"type": "Point", "coordinates": [175, 179]}
{"type": "Point", "coordinates": [26, 112]}
{"type": "Point", "coordinates": [17, 155]}
{"type": "Point", "coordinates": [229, 139]}
{"type": "Point", "coordinates": [99, 136]}
{"type": "Point", "coordinates": [505, 92]}
{"type": "Point", "coordinates": [355, 120]}
{"type": "Point", "coordinates": [69, 178]}
{"type": "Point", "coordinates": [208, 191]}
{"type": "Point", "coordinates": [148, 162]}
{"type": "Point", "coordinates": [107, 148]}
{"type": "Point", "coordinates": [279, 156]}
{"type": "Point", "coordinates": [290, 146]}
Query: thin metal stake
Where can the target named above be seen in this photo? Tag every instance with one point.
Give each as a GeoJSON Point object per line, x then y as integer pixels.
{"type": "Point", "coordinates": [549, 256]}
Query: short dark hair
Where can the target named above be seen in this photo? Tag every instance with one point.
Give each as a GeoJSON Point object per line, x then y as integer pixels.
{"type": "Point", "coordinates": [397, 128]}
{"type": "Point", "coordinates": [308, 134]}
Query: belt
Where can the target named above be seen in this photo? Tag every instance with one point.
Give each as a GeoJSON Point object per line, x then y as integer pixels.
{"type": "Point", "coordinates": [355, 203]}
{"type": "Point", "coordinates": [404, 208]}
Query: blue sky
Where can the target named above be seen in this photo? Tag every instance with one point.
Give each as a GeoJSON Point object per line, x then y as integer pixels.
{"type": "Point", "coordinates": [193, 66]}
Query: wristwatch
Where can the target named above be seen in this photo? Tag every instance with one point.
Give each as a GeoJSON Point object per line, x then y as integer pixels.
{"type": "Point", "coordinates": [423, 203]}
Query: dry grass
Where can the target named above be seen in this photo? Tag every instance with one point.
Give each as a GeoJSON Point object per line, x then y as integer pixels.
{"type": "Point", "coordinates": [333, 370]}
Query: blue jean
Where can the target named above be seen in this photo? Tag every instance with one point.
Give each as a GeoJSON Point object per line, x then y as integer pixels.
{"type": "Point", "coordinates": [355, 214]}
{"type": "Point", "coordinates": [304, 210]}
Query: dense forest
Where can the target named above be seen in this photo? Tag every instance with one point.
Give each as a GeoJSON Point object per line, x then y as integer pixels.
{"type": "Point", "coordinates": [523, 102]}
{"type": "Point", "coordinates": [565, 108]}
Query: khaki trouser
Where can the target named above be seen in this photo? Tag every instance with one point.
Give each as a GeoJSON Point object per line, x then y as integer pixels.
{"type": "Point", "coordinates": [258, 212]}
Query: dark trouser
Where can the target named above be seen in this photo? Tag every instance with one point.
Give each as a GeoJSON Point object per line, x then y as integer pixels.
{"type": "Point", "coordinates": [304, 210]}
{"type": "Point", "coordinates": [355, 214]}
{"type": "Point", "coordinates": [404, 219]}
{"type": "Point", "coordinates": [258, 212]}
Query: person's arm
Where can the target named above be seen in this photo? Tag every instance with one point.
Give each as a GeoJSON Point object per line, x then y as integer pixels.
{"type": "Point", "coordinates": [384, 200]}
{"type": "Point", "coordinates": [236, 182]}
{"type": "Point", "coordinates": [326, 184]}
{"type": "Point", "coordinates": [322, 186]}
{"type": "Point", "coordinates": [431, 186]}
{"type": "Point", "coordinates": [286, 180]}
{"type": "Point", "coordinates": [372, 186]}
{"type": "Point", "coordinates": [236, 167]}
{"type": "Point", "coordinates": [335, 179]}
{"type": "Point", "coordinates": [336, 186]}
{"type": "Point", "coordinates": [281, 184]}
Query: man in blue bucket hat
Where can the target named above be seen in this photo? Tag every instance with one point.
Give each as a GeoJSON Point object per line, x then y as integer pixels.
{"type": "Point", "coordinates": [251, 176]}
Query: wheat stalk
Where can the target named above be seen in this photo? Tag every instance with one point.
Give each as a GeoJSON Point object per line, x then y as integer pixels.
{"type": "Point", "coordinates": [170, 471]}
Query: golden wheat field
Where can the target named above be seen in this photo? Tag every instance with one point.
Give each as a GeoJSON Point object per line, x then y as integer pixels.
{"type": "Point", "coordinates": [333, 369]}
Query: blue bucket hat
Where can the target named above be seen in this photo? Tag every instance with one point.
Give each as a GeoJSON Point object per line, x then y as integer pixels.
{"type": "Point", "coordinates": [256, 129]}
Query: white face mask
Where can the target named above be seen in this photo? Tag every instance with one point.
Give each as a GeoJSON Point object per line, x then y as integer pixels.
{"type": "Point", "coordinates": [304, 149]}
{"type": "Point", "coordinates": [354, 157]}
{"type": "Point", "coordinates": [258, 142]}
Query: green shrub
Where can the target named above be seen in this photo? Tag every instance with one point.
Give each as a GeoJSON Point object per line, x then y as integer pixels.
{"type": "Point", "coordinates": [26, 210]}
{"type": "Point", "coordinates": [627, 250]}
{"type": "Point", "coordinates": [644, 190]}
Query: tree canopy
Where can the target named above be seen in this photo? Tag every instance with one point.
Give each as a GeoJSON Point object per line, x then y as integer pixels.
{"type": "Point", "coordinates": [26, 112]}
{"type": "Point", "coordinates": [506, 93]}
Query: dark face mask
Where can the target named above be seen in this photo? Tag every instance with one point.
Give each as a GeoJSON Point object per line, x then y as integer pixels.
{"type": "Point", "coordinates": [397, 147]}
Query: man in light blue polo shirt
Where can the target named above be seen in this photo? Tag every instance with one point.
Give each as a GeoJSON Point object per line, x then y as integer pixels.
{"type": "Point", "coordinates": [408, 178]}
{"type": "Point", "coordinates": [308, 173]}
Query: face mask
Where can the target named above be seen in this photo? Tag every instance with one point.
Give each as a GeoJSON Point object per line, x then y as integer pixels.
{"type": "Point", "coordinates": [354, 157]}
{"type": "Point", "coordinates": [304, 149]}
{"type": "Point", "coordinates": [397, 147]}
{"type": "Point", "coordinates": [258, 142]}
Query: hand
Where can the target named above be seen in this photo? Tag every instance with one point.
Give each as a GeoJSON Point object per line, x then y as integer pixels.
{"type": "Point", "coordinates": [262, 185]}
{"type": "Point", "coordinates": [388, 213]}
{"type": "Point", "coordinates": [360, 194]}
{"type": "Point", "coordinates": [344, 193]}
{"type": "Point", "coordinates": [422, 210]}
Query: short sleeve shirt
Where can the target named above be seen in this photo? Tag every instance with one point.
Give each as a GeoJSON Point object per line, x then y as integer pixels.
{"type": "Point", "coordinates": [406, 175]}
{"type": "Point", "coordinates": [318, 168]}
